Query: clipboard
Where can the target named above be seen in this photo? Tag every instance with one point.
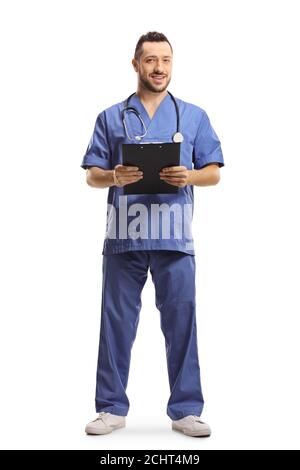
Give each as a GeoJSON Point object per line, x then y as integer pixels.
{"type": "Point", "coordinates": [150, 158]}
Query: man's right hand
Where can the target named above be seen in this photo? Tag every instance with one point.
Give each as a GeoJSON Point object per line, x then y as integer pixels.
{"type": "Point", "coordinates": [127, 174]}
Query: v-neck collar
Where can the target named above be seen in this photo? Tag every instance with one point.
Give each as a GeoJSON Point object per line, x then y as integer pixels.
{"type": "Point", "coordinates": [137, 101]}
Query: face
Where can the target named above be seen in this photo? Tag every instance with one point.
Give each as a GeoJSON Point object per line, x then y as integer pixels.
{"type": "Point", "coordinates": [154, 67]}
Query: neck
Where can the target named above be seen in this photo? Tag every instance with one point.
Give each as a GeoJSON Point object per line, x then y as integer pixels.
{"type": "Point", "coordinates": [150, 97]}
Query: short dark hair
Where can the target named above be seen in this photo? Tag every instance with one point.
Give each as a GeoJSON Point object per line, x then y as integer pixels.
{"type": "Point", "coordinates": [151, 36]}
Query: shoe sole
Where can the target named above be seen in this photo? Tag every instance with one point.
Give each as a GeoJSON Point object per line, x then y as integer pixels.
{"type": "Point", "coordinates": [191, 433]}
{"type": "Point", "coordinates": [101, 432]}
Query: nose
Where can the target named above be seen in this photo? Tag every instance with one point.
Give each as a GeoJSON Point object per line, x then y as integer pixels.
{"type": "Point", "coordinates": [158, 70]}
{"type": "Point", "coordinates": [158, 67]}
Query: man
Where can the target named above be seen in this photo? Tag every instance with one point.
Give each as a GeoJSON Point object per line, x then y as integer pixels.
{"type": "Point", "coordinates": [134, 243]}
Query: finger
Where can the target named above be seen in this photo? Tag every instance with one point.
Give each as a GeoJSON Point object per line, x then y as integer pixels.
{"type": "Point", "coordinates": [128, 168]}
{"type": "Point", "coordinates": [179, 175]}
{"type": "Point", "coordinates": [130, 180]}
{"type": "Point", "coordinates": [128, 177]}
{"type": "Point", "coordinates": [174, 180]}
{"type": "Point", "coordinates": [175, 175]}
{"type": "Point", "coordinates": [178, 185]}
{"type": "Point", "coordinates": [128, 174]}
{"type": "Point", "coordinates": [173, 168]}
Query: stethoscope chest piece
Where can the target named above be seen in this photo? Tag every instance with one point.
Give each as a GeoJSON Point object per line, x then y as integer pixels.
{"type": "Point", "coordinates": [178, 137]}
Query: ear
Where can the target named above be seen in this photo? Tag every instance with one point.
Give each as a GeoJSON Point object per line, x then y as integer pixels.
{"type": "Point", "coordinates": [135, 65]}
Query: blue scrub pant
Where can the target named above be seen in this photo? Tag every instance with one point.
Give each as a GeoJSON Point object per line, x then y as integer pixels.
{"type": "Point", "coordinates": [173, 275]}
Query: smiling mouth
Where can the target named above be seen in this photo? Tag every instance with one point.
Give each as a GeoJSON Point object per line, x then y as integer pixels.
{"type": "Point", "coordinates": [158, 78]}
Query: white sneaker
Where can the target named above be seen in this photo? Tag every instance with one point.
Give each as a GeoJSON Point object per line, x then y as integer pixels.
{"type": "Point", "coordinates": [105, 423]}
{"type": "Point", "coordinates": [192, 426]}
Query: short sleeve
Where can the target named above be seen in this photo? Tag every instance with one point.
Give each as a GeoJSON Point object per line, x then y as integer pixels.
{"type": "Point", "coordinates": [207, 147]}
{"type": "Point", "coordinates": [98, 151]}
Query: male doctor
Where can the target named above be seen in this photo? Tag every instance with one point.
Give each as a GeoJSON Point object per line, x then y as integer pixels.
{"type": "Point", "coordinates": [150, 231]}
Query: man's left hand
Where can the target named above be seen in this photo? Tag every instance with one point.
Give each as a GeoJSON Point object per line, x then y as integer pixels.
{"type": "Point", "coordinates": [175, 175]}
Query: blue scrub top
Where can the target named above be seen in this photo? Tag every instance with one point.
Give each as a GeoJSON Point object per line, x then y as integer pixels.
{"type": "Point", "coordinates": [151, 221]}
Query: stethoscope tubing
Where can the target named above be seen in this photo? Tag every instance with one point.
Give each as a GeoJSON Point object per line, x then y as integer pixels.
{"type": "Point", "coordinates": [135, 111]}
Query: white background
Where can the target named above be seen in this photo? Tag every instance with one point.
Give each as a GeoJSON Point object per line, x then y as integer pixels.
{"type": "Point", "coordinates": [62, 62]}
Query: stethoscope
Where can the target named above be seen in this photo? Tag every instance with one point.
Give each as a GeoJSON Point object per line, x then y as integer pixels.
{"type": "Point", "coordinates": [177, 137]}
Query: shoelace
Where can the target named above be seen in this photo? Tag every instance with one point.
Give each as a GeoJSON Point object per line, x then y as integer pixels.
{"type": "Point", "coordinates": [197, 419]}
{"type": "Point", "coordinates": [101, 414]}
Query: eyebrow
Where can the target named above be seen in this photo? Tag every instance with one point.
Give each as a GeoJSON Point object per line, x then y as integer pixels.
{"type": "Point", "coordinates": [165, 56]}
